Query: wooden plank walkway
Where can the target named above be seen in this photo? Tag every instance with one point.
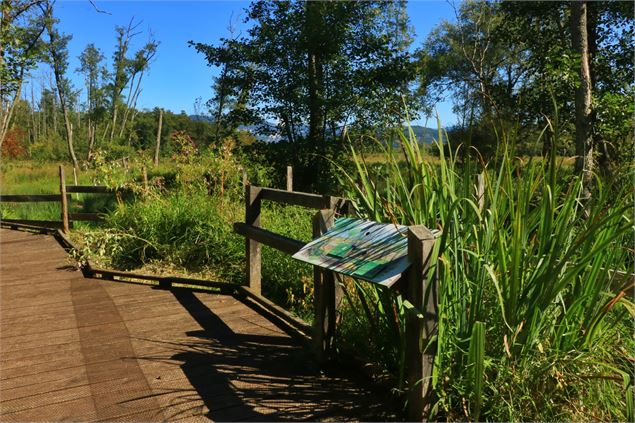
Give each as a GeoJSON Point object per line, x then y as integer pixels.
{"type": "Point", "coordinates": [91, 350]}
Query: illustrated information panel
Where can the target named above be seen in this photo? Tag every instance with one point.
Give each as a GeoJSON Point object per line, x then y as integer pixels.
{"type": "Point", "coordinates": [374, 252]}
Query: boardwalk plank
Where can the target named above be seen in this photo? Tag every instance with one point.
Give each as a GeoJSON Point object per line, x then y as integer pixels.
{"type": "Point", "coordinates": [76, 349]}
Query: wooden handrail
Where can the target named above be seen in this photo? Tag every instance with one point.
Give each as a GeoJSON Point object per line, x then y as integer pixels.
{"type": "Point", "coordinates": [30, 198]}
{"type": "Point", "coordinates": [268, 238]}
{"type": "Point", "coordinates": [91, 189]}
{"type": "Point", "coordinates": [303, 199]}
{"type": "Point", "coordinates": [90, 217]}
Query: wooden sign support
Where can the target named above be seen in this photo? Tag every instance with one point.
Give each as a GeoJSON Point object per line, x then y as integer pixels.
{"type": "Point", "coordinates": [421, 292]}
{"type": "Point", "coordinates": [327, 295]}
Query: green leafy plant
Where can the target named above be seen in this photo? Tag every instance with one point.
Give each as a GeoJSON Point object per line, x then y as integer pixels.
{"type": "Point", "coordinates": [523, 278]}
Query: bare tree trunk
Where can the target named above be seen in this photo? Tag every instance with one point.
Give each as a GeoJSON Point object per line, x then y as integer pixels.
{"type": "Point", "coordinates": [91, 140]}
{"type": "Point", "coordinates": [600, 144]}
{"type": "Point", "coordinates": [132, 102]}
{"type": "Point", "coordinates": [315, 74]}
{"type": "Point", "coordinates": [113, 123]}
{"type": "Point", "coordinates": [103, 137]}
{"type": "Point", "coordinates": [128, 104]}
{"type": "Point", "coordinates": [34, 121]}
{"type": "Point", "coordinates": [158, 145]}
{"type": "Point", "coordinates": [583, 108]}
{"type": "Point", "coordinates": [67, 120]}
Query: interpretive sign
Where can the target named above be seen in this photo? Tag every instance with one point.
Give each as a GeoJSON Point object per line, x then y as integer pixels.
{"type": "Point", "coordinates": [371, 251]}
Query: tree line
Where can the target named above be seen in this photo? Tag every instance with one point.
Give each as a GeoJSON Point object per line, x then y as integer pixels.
{"type": "Point", "coordinates": [31, 37]}
{"type": "Point", "coordinates": [309, 72]}
{"type": "Point", "coordinates": [318, 68]}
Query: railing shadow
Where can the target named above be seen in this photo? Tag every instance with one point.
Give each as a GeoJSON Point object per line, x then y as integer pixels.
{"type": "Point", "coordinates": [258, 377]}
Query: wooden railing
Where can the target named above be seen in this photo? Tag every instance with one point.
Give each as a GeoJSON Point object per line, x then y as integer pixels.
{"type": "Point", "coordinates": [64, 198]}
{"type": "Point", "coordinates": [417, 289]}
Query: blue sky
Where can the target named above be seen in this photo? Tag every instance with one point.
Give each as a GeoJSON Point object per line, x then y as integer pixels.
{"type": "Point", "coordinates": [179, 75]}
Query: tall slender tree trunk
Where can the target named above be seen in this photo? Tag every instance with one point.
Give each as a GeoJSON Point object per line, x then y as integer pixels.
{"type": "Point", "coordinates": [158, 145]}
{"type": "Point", "coordinates": [583, 107]}
{"type": "Point", "coordinates": [113, 123]}
{"type": "Point", "coordinates": [59, 83]}
{"type": "Point", "coordinates": [600, 144]}
{"type": "Point", "coordinates": [69, 129]}
{"type": "Point", "coordinates": [315, 73]}
{"type": "Point", "coordinates": [91, 140]}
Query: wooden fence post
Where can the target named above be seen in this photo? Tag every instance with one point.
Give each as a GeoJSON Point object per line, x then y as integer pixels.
{"type": "Point", "coordinates": [289, 178]}
{"type": "Point", "coordinates": [75, 181]}
{"type": "Point", "coordinates": [144, 176]}
{"type": "Point", "coordinates": [420, 350]}
{"type": "Point", "coordinates": [327, 295]}
{"type": "Point", "coordinates": [253, 248]}
{"type": "Point", "coordinates": [480, 191]}
{"type": "Point", "coordinates": [64, 200]}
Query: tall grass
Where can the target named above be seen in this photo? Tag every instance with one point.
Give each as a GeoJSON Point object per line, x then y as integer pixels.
{"type": "Point", "coordinates": [532, 325]}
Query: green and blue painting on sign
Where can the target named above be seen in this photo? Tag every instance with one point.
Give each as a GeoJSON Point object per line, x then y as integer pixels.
{"type": "Point", "coordinates": [371, 251]}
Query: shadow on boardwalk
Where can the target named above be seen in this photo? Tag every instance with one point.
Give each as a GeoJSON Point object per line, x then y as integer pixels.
{"type": "Point", "coordinates": [81, 349]}
{"type": "Point", "coordinates": [260, 377]}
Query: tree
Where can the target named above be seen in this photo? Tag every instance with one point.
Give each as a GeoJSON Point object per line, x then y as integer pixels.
{"type": "Point", "coordinates": [94, 73]}
{"type": "Point", "coordinates": [22, 23]}
{"type": "Point", "coordinates": [136, 69]}
{"type": "Point", "coordinates": [507, 63]}
{"type": "Point", "coordinates": [580, 41]}
{"type": "Point", "coordinates": [125, 71]}
{"type": "Point", "coordinates": [317, 65]}
{"type": "Point", "coordinates": [58, 51]}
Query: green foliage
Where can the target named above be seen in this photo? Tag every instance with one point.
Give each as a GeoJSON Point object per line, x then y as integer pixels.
{"type": "Point", "coordinates": [527, 272]}
{"type": "Point", "coordinates": [359, 75]}
{"type": "Point", "coordinates": [507, 63]}
{"type": "Point", "coordinates": [314, 168]}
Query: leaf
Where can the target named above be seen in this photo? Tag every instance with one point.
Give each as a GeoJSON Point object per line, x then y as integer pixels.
{"type": "Point", "coordinates": [476, 366]}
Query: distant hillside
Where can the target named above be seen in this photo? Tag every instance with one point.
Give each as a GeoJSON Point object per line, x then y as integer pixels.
{"type": "Point", "coordinates": [424, 135]}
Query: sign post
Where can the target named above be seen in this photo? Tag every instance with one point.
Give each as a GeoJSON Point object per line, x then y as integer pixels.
{"type": "Point", "coordinates": [379, 253]}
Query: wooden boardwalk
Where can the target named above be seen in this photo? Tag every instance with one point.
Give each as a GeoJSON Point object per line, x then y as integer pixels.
{"type": "Point", "coordinates": [91, 350]}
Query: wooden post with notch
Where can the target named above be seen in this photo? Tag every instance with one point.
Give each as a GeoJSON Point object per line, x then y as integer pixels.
{"type": "Point", "coordinates": [327, 295]}
{"type": "Point", "coordinates": [253, 248]}
{"type": "Point", "coordinates": [289, 178]}
{"type": "Point", "coordinates": [421, 291]}
{"type": "Point", "coordinates": [63, 200]}
{"type": "Point", "coordinates": [480, 191]}
{"type": "Point", "coordinates": [144, 176]}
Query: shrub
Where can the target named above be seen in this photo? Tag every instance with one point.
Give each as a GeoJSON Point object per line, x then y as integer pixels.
{"type": "Point", "coordinates": [13, 145]}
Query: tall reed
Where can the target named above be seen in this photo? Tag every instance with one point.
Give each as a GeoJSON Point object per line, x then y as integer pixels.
{"type": "Point", "coordinates": [527, 304]}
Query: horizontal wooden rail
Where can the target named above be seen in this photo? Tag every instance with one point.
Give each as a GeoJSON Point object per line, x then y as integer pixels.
{"type": "Point", "coordinates": [303, 199]}
{"type": "Point", "coordinates": [271, 239]}
{"type": "Point", "coordinates": [27, 227]}
{"type": "Point", "coordinates": [38, 223]}
{"type": "Point", "coordinates": [90, 217]}
{"type": "Point", "coordinates": [30, 198]}
{"type": "Point", "coordinates": [90, 189]}
{"type": "Point", "coordinates": [164, 281]}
